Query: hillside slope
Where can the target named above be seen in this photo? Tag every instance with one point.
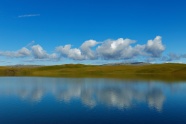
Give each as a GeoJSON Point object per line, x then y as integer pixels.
{"type": "Point", "coordinates": [151, 71]}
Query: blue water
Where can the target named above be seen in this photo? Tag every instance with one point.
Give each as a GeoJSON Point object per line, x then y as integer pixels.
{"type": "Point", "coordinates": [26, 100]}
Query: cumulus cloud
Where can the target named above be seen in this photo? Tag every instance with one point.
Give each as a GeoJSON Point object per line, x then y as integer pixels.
{"type": "Point", "coordinates": [155, 47]}
{"type": "Point", "coordinates": [119, 49]}
{"type": "Point", "coordinates": [23, 52]}
{"type": "Point", "coordinates": [39, 53]}
{"type": "Point", "coordinates": [87, 52]}
{"type": "Point", "coordinates": [35, 51]}
{"type": "Point", "coordinates": [122, 49]}
{"type": "Point", "coordinates": [72, 53]}
{"type": "Point", "coordinates": [113, 49]}
{"type": "Point", "coordinates": [82, 53]}
{"type": "Point", "coordinates": [116, 49]}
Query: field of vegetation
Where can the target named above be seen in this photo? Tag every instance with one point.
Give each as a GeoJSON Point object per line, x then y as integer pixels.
{"type": "Point", "coordinates": [166, 72]}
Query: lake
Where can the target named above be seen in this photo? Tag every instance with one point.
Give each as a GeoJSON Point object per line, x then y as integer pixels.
{"type": "Point", "coordinates": [37, 100]}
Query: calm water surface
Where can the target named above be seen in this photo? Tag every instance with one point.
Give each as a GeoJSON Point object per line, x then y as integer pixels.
{"type": "Point", "coordinates": [25, 100]}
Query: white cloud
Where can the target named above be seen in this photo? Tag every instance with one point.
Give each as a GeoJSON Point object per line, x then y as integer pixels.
{"type": "Point", "coordinates": [72, 53]}
{"type": "Point", "coordinates": [23, 52]}
{"type": "Point", "coordinates": [115, 49]}
{"type": "Point", "coordinates": [86, 49]}
{"type": "Point", "coordinates": [39, 53]}
{"type": "Point", "coordinates": [155, 47]}
{"type": "Point", "coordinates": [119, 49]}
{"type": "Point", "coordinates": [122, 49]}
{"type": "Point", "coordinates": [28, 15]}
{"type": "Point", "coordinates": [82, 53]}
{"type": "Point", "coordinates": [36, 51]}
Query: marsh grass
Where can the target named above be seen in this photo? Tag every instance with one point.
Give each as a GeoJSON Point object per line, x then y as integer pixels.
{"type": "Point", "coordinates": [165, 72]}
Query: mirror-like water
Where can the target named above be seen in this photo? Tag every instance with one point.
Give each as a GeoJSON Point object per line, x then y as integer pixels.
{"type": "Point", "coordinates": [85, 100]}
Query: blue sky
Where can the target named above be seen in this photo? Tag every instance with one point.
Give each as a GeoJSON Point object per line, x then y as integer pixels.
{"type": "Point", "coordinates": [92, 31]}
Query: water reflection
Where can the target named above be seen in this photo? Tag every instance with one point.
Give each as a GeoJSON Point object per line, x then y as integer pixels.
{"type": "Point", "coordinates": [91, 92]}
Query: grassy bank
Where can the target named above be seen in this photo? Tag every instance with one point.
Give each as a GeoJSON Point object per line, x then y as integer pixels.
{"type": "Point", "coordinates": [168, 72]}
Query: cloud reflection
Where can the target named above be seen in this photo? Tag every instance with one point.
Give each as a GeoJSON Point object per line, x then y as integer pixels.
{"type": "Point", "coordinates": [91, 92]}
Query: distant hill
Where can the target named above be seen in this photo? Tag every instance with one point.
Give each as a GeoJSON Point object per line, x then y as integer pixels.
{"type": "Point", "coordinates": [146, 71]}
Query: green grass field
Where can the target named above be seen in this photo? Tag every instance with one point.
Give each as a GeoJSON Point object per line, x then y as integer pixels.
{"type": "Point", "coordinates": [167, 72]}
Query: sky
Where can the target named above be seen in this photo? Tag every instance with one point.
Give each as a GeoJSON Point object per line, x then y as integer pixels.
{"type": "Point", "coordinates": [49, 32]}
